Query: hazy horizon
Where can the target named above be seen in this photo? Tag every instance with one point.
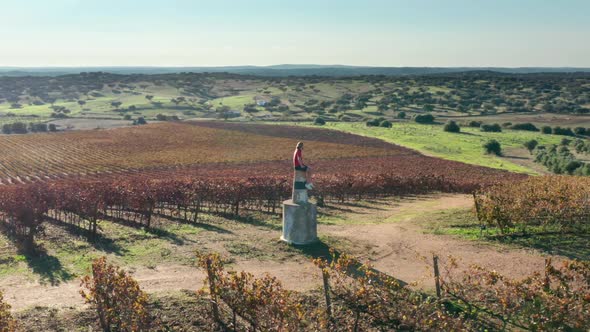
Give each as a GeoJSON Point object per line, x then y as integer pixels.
{"type": "Point", "coordinates": [276, 65]}
{"type": "Point", "coordinates": [376, 33]}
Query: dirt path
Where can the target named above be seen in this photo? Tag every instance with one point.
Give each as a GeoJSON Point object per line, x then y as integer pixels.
{"type": "Point", "coordinates": [403, 250]}
{"type": "Point", "coordinates": [397, 247]}
{"type": "Point", "coordinates": [164, 278]}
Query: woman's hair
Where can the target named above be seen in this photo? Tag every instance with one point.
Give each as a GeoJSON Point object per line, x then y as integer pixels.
{"type": "Point", "coordinates": [299, 145]}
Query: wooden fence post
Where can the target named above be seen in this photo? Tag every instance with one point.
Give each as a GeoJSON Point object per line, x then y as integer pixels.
{"type": "Point", "coordinates": [436, 275]}
{"type": "Point", "coordinates": [326, 278]}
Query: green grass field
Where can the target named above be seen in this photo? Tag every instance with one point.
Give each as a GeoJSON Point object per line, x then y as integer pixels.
{"type": "Point", "coordinates": [462, 223]}
{"type": "Point", "coordinates": [464, 147]}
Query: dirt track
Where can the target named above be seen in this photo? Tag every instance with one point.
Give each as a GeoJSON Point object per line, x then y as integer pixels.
{"type": "Point", "coordinates": [399, 248]}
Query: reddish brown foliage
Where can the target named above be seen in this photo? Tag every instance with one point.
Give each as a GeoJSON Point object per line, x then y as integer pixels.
{"type": "Point", "coordinates": [561, 201]}
{"type": "Point", "coordinates": [557, 299]}
{"type": "Point", "coordinates": [7, 322]}
{"type": "Point", "coordinates": [260, 303]}
{"type": "Point", "coordinates": [140, 181]}
{"type": "Point", "coordinates": [119, 302]}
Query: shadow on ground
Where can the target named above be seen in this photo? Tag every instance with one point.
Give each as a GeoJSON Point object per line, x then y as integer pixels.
{"type": "Point", "coordinates": [322, 250]}
{"type": "Point", "coordinates": [205, 226]}
{"type": "Point", "coordinates": [571, 245]}
{"type": "Point", "coordinates": [98, 240]}
{"type": "Point", "coordinates": [48, 267]}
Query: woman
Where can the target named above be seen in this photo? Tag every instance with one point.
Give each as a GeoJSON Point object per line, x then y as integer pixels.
{"type": "Point", "coordinates": [300, 166]}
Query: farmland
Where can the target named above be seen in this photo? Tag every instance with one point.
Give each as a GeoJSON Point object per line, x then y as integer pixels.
{"type": "Point", "coordinates": [126, 181]}
{"type": "Point", "coordinates": [465, 147]}
{"type": "Point", "coordinates": [95, 96]}
{"type": "Point", "coordinates": [148, 204]}
{"type": "Point", "coordinates": [147, 197]}
{"type": "Point", "coordinates": [87, 152]}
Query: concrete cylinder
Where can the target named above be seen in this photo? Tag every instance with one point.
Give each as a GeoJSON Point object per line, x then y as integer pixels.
{"type": "Point", "coordinates": [299, 223]}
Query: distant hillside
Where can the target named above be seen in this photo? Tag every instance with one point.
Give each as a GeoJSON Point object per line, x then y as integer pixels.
{"type": "Point", "coordinates": [283, 70]}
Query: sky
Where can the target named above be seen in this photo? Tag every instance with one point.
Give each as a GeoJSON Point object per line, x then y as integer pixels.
{"type": "Point", "coordinates": [433, 33]}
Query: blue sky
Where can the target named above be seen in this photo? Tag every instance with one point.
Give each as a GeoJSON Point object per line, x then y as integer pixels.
{"type": "Point", "coordinates": [510, 33]}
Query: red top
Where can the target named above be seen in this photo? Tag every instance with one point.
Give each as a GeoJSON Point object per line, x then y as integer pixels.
{"type": "Point", "coordinates": [297, 158]}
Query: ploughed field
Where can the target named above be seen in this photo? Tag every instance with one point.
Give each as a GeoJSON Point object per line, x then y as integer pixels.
{"type": "Point", "coordinates": [208, 148]}
{"type": "Point", "coordinates": [31, 158]}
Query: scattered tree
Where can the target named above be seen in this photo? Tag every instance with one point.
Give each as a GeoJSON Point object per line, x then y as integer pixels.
{"type": "Point", "coordinates": [546, 130]}
{"type": "Point", "coordinates": [531, 145]}
{"type": "Point", "coordinates": [524, 126]}
{"type": "Point", "coordinates": [493, 147]}
{"type": "Point", "coordinates": [452, 127]}
{"type": "Point", "coordinates": [385, 124]}
{"type": "Point", "coordinates": [424, 118]}
{"type": "Point", "coordinates": [494, 128]}
{"type": "Point", "coordinates": [319, 121]}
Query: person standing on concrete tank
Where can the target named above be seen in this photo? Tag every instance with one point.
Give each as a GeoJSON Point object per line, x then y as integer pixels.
{"type": "Point", "coordinates": [300, 166]}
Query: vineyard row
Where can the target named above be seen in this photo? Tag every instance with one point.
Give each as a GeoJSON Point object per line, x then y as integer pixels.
{"type": "Point", "coordinates": [185, 193]}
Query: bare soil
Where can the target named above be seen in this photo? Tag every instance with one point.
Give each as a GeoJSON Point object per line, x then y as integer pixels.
{"type": "Point", "coordinates": [523, 158]}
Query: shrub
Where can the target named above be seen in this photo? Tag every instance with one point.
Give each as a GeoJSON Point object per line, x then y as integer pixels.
{"type": "Point", "coordinates": [474, 124]}
{"type": "Point", "coordinates": [565, 141]}
{"type": "Point", "coordinates": [572, 166]}
{"type": "Point", "coordinates": [161, 117]}
{"type": "Point", "coordinates": [141, 121]}
{"type": "Point", "coordinates": [116, 297]}
{"type": "Point", "coordinates": [563, 131]}
{"type": "Point", "coordinates": [319, 121]}
{"type": "Point", "coordinates": [531, 145]}
{"type": "Point", "coordinates": [58, 115]}
{"type": "Point", "coordinates": [525, 126]}
{"type": "Point", "coordinates": [373, 123]}
{"type": "Point", "coordinates": [262, 303]}
{"type": "Point", "coordinates": [558, 295]}
{"type": "Point", "coordinates": [127, 117]}
{"type": "Point", "coordinates": [581, 146]}
{"type": "Point", "coordinates": [494, 128]}
{"type": "Point", "coordinates": [580, 131]}
{"type": "Point", "coordinates": [546, 130]}
{"type": "Point", "coordinates": [7, 128]}
{"type": "Point", "coordinates": [452, 127]}
{"type": "Point", "coordinates": [493, 147]}
{"type": "Point", "coordinates": [7, 322]}
{"type": "Point", "coordinates": [401, 115]}
{"type": "Point", "coordinates": [19, 128]}
{"type": "Point", "coordinates": [385, 124]}
{"type": "Point", "coordinates": [543, 200]}
{"type": "Point", "coordinates": [424, 118]}
{"type": "Point", "coordinates": [560, 160]}
{"type": "Point", "coordinates": [52, 127]}
{"type": "Point", "coordinates": [38, 127]}
{"type": "Point", "coordinates": [507, 124]}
